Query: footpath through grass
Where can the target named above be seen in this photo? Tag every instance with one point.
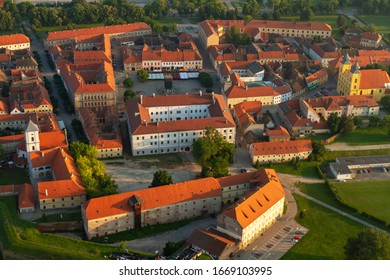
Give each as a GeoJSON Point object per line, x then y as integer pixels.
{"type": "Point", "coordinates": [371, 197]}
{"type": "Point", "coordinates": [328, 233]}
{"type": "Point", "coordinates": [324, 193]}
{"type": "Point", "coordinates": [24, 239]}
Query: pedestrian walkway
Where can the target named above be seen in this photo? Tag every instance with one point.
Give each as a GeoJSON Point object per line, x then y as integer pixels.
{"type": "Point", "coordinates": [336, 210]}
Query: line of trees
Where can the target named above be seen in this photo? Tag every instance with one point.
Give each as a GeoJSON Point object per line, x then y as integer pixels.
{"type": "Point", "coordinates": [92, 171]}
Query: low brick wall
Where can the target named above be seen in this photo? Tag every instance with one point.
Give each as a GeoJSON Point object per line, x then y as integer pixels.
{"type": "Point", "coordinates": [60, 226]}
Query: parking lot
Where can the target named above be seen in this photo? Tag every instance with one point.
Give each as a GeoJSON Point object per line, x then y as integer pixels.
{"type": "Point", "coordinates": [371, 174]}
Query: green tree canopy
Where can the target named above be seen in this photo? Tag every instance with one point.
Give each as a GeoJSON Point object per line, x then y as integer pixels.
{"type": "Point", "coordinates": [213, 153]}
{"type": "Point", "coordinates": [128, 82]}
{"type": "Point", "coordinates": [385, 102]}
{"type": "Point", "coordinates": [128, 94]}
{"type": "Point", "coordinates": [370, 244]}
{"type": "Point", "coordinates": [161, 178]}
{"type": "Point", "coordinates": [142, 75]}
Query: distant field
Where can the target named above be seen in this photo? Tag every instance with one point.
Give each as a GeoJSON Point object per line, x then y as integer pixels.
{"type": "Point", "coordinates": [371, 197]}
{"type": "Point", "coordinates": [365, 136]}
{"type": "Point", "coordinates": [382, 23]}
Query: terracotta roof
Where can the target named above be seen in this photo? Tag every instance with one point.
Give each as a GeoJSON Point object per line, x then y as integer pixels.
{"type": "Point", "coordinates": [242, 92]}
{"type": "Point", "coordinates": [137, 112]}
{"type": "Point", "coordinates": [317, 75]}
{"type": "Point", "coordinates": [256, 178]}
{"type": "Point", "coordinates": [212, 241]}
{"type": "Point", "coordinates": [289, 25]}
{"type": "Point", "coordinates": [255, 204]}
{"type": "Point", "coordinates": [370, 36]}
{"type": "Point", "coordinates": [59, 188]}
{"type": "Point", "coordinates": [12, 138]}
{"type": "Point", "coordinates": [13, 39]}
{"type": "Point", "coordinates": [373, 78]}
{"type": "Point", "coordinates": [152, 197]}
{"type": "Point", "coordinates": [335, 102]}
{"type": "Point", "coordinates": [49, 140]}
{"type": "Point", "coordinates": [278, 132]}
{"type": "Point", "coordinates": [113, 29]}
{"type": "Point", "coordinates": [25, 194]}
{"type": "Point", "coordinates": [278, 148]}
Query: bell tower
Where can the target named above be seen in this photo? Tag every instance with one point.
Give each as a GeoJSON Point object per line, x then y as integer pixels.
{"type": "Point", "coordinates": [31, 135]}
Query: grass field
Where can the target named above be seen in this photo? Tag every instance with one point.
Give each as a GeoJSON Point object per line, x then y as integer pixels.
{"type": "Point", "coordinates": [203, 257]}
{"type": "Point", "coordinates": [23, 238]}
{"type": "Point", "coordinates": [60, 218]}
{"type": "Point", "coordinates": [371, 197]}
{"type": "Point", "coordinates": [365, 136]}
{"type": "Point", "coordinates": [324, 193]}
{"type": "Point", "coordinates": [328, 233]}
{"type": "Point", "coordinates": [382, 23]}
{"type": "Point", "coordinates": [10, 176]}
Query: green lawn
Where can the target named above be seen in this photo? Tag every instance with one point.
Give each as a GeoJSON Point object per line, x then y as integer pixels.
{"type": "Point", "coordinates": [324, 193]}
{"type": "Point", "coordinates": [203, 257]}
{"type": "Point", "coordinates": [65, 217]}
{"type": "Point", "coordinates": [10, 176]}
{"type": "Point", "coordinates": [382, 22]}
{"type": "Point", "coordinates": [328, 233]}
{"type": "Point", "coordinates": [23, 238]}
{"type": "Point", "coordinates": [365, 136]}
{"type": "Point", "coordinates": [318, 137]}
{"type": "Point", "coordinates": [371, 197]}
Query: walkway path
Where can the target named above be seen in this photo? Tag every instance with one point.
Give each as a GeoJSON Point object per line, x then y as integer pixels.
{"type": "Point", "coordinates": [336, 210]}
{"type": "Point", "coordinates": [346, 147]}
{"type": "Point", "coordinates": [289, 181]}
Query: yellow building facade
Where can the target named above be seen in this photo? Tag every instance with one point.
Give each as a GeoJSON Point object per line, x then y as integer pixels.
{"type": "Point", "coordinates": [353, 81]}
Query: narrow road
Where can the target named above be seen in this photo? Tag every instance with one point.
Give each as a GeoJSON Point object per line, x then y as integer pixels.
{"type": "Point", "coordinates": [47, 72]}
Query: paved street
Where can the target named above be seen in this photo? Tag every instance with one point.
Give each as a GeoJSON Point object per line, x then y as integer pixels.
{"type": "Point", "coordinates": [48, 72]}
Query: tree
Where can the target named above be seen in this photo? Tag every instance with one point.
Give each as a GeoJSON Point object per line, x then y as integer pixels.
{"type": "Point", "coordinates": [385, 102]}
{"type": "Point", "coordinates": [358, 121]}
{"type": "Point", "coordinates": [6, 20]}
{"type": "Point", "coordinates": [346, 124]}
{"type": "Point", "coordinates": [161, 178]}
{"type": "Point", "coordinates": [370, 244]}
{"type": "Point", "coordinates": [318, 150]}
{"type": "Point", "coordinates": [128, 82]}
{"type": "Point", "coordinates": [251, 7]}
{"type": "Point", "coordinates": [142, 75]}
{"type": "Point", "coordinates": [128, 94]}
{"type": "Point", "coordinates": [341, 21]}
{"type": "Point", "coordinates": [374, 120]}
{"type": "Point", "coordinates": [205, 79]}
{"type": "Point", "coordinates": [333, 122]}
{"type": "Point", "coordinates": [213, 153]}
{"type": "Point", "coordinates": [1, 152]}
{"type": "Point", "coordinates": [306, 14]}
{"type": "Point", "coordinates": [122, 246]}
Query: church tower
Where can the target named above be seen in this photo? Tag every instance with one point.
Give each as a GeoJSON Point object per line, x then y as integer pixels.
{"type": "Point", "coordinates": [344, 76]}
{"type": "Point", "coordinates": [31, 135]}
{"type": "Point", "coordinates": [355, 79]}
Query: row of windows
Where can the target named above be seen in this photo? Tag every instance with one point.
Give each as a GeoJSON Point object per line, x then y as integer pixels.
{"type": "Point", "coordinates": [179, 112]}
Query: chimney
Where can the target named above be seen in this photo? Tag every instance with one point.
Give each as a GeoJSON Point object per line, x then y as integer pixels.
{"type": "Point", "coordinates": [246, 87]}
{"type": "Point", "coordinates": [154, 94]}
{"type": "Point", "coordinates": [46, 192]}
{"type": "Point", "coordinates": [200, 93]}
{"type": "Point", "coordinates": [42, 154]}
{"type": "Point", "coordinates": [157, 123]}
{"type": "Point", "coordinates": [140, 99]}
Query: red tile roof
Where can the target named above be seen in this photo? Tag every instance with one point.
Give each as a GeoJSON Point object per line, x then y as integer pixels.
{"type": "Point", "coordinates": [242, 92]}
{"type": "Point", "coordinates": [289, 25]}
{"type": "Point", "coordinates": [113, 29]}
{"type": "Point", "coordinates": [13, 39]}
{"type": "Point", "coordinates": [12, 138]}
{"type": "Point", "coordinates": [370, 36]}
{"type": "Point", "coordinates": [118, 204]}
{"type": "Point", "coordinates": [255, 204]}
{"type": "Point", "coordinates": [137, 112]}
{"type": "Point", "coordinates": [25, 194]}
{"type": "Point", "coordinates": [59, 189]}
{"type": "Point", "coordinates": [278, 132]}
{"type": "Point", "coordinates": [278, 148]}
{"type": "Point", "coordinates": [256, 178]}
{"type": "Point", "coordinates": [373, 78]}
